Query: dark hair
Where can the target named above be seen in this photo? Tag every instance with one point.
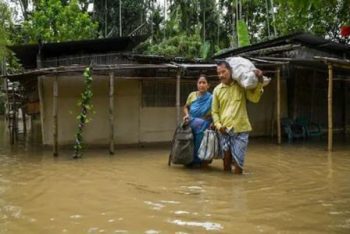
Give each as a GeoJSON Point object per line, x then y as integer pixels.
{"type": "Point", "coordinates": [224, 63]}
{"type": "Point", "coordinates": [204, 76]}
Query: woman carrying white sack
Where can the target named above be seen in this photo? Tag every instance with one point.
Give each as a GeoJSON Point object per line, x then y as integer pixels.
{"type": "Point", "coordinates": [245, 73]}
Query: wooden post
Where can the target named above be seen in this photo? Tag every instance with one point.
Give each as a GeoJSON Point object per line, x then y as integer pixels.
{"type": "Point", "coordinates": [7, 97]}
{"type": "Point", "coordinates": [178, 107]}
{"type": "Point", "coordinates": [312, 95]}
{"type": "Point", "coordinates": [14, 116]}
{"type": "Point", "coordinates": [278, 107]}
{"type": "Point", "coordinates": [41, 103]}
{"type": "Point", "coordinates": [55, 110]}
{"type": "Point", "coordinates": [41, 98]}
{"type": "Point", "coordinates": [295, 98]}
{"type": "Point", "coordinates": [344, 107]}
{"type": "Point", "coordinates": [24, 122]}
{"type": "Point", "coordinates": [330, 107]}
{"type": "Point", "coordinates": [7, 107]}
{"type": "Point", "coordinates": [140, 99]}
{"type": "Point", "coordinates": [111, 112]}
{"type": "Point", "coordinates": [273, 116]}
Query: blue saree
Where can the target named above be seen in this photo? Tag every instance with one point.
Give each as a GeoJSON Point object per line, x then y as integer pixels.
{"type": "Point", "coordinates": [198, 110]}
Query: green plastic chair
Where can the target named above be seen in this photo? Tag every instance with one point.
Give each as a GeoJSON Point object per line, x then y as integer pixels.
{"type": "Point", "coordinates": [292, 129]}
{"type": "Point", "coordinates": [311, 128]}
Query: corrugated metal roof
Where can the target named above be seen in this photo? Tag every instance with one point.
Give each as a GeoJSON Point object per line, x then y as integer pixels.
{"type": "Point", "coordinates": [27, 53]}
{"type": "Point", "coordinates": [305, 39]}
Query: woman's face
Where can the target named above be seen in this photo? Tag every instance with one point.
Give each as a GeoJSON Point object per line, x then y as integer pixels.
{"type": "Point", "coordinates": [202, 85]}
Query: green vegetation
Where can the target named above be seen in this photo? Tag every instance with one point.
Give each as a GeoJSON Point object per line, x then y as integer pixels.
{"type": "Point", "coordinates": [320, 17]}
{"type": "Point", "coordinates": [242, 34]}
{"type": "Point", "coordinates": [185, 28]}
{"type": "Point", "coordinates": [52, 21]}
{"type": "Point", "coordinates": [85, 106]}
{"type": "Point", "coordinates": [6, 25]}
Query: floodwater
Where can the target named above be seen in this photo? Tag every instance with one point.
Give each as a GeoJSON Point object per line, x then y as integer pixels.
{"type": "Point", "coordinates": [297, 188]}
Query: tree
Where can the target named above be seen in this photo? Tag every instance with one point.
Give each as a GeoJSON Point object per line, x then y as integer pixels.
{"type": "Point", "coordinates": [52, 21]}
{"type": "Point", "coordinates": [313, 16]}
{"type": "Point", "coordinates": [176, 40]}
{"type": "Point", "coordinates": [190, 31]}
{"type": "Point", "coordinates": [133, 14]}
{"type": "Point", "coordinates": [5, 27]}
{"type": "Point", "coordinates": [24, 6]}
{"type": "Point", "coordinates": [267, 18]}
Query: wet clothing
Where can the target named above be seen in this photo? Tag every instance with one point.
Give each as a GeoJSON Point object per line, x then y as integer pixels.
{"type": "Point", "coordinates": [229, 111]}
{"type": "Point", "coordinates": [199, 108]}
{"type": "Point", "coordinates": [191, 98]}
{"type": "Point", "coordinates": [237, 143]}
{"type": "Point", "coordinates": [229, 106]}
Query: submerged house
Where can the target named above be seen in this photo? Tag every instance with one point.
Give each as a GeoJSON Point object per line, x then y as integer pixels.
{"type": "Point", "coordinates": [138, 98]}
{"type": "Point", "coordinates": [315, 79]}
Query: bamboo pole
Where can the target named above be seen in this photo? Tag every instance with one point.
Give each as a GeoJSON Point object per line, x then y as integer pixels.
{"type": "Point", "coordinates": [312, 95]}
{"type": "Point", "coordinates": [42, 107]}
{"type": "Point", "coordinates": [295, 97]}
{"type": "Point", "coordinates": [278, 107]}
{"type": "Point", "coordinates": [5, 85]}
{"type": "Point", "coordinates": [139, 86]}
{"type": "Point", "coordinates": [111, 112]}
{"type": "Point", "coordinates": [7, 108]}
{"type": "Point", "coordinates": [330, 109]}
{"type": "Point", "coordinates": [24, 122]}
{"type": "Point", "coordinates": [345, 117]}
{"type": "Point", "coordinates": [55, 119]}
{"type": "Point", "coordinates": [273, 116]}
{"type": "Point", "coordinates": [14, 116]}
{"type": "Point", "coordinates": [178, 108]}
{"type": "Point", "coordinates": [40, 81]}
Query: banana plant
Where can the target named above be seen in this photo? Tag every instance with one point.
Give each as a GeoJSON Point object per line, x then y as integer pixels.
{"type": "Point", "coordinates": [242, 34]}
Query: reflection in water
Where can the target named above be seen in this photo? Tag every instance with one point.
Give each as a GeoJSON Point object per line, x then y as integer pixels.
{"type": "Point", "coordinates": [289, 189]}
{"type": "Point", "coordinates": [206, 225]}
{"type": "Point", "coordinates": [330, 166]}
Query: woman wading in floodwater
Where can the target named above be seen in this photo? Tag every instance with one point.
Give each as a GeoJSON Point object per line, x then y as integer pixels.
{"type": "Point", "coordinates": [197, 112]}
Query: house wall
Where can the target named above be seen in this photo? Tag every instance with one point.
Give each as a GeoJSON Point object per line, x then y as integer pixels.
{"type": "Point", "coordinates": [263, 114]}
{"type": "Point", "coordinates": [157, 124]}
{"type": "Point", "coordinates": [132, 123]}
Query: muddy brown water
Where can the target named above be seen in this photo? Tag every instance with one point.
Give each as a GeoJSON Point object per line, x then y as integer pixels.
{"type": "Point", "coordinates": [298, 188]}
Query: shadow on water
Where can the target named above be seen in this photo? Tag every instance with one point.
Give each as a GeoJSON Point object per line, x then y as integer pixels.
{"type": "Point", "coordinates": [292, 188]}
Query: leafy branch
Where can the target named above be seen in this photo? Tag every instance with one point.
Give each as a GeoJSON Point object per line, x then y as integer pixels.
{"type": "Point", "coordinates": [85, 107]}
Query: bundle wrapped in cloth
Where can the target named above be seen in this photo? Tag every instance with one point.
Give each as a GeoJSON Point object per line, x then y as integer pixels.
{"type": "Point", "coordinates": [243, 72]}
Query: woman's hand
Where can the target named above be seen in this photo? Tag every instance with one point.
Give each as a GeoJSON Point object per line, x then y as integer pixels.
{"type": "Point", "coordinates": [186, 119]}
{"type": "Point", "coordinates": [212, 126]}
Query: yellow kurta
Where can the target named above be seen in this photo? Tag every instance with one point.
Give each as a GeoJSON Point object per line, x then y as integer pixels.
{"type": "Point", "coordinates": [229, 106]}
